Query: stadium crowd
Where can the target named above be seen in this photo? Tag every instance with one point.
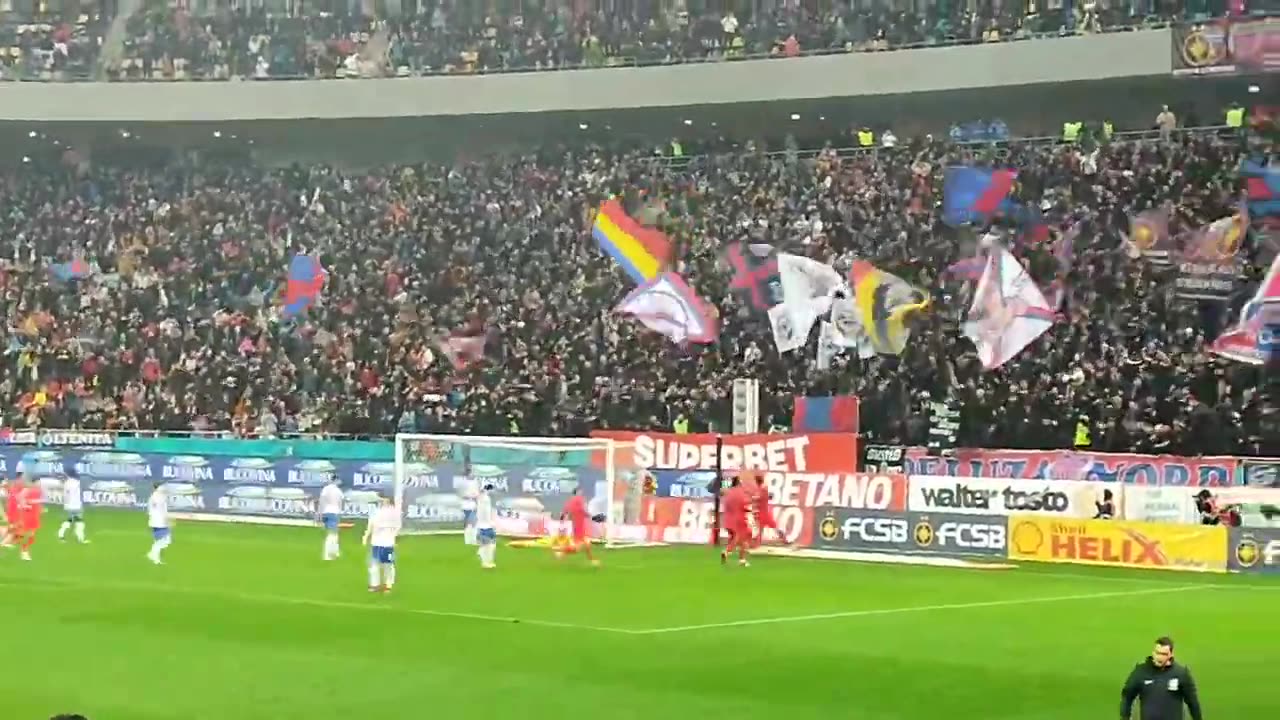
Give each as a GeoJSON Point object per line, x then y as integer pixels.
{"type": "Point", "coordinates": [167, 41]}
{"type": "Point", "coordinates": [176, 323]}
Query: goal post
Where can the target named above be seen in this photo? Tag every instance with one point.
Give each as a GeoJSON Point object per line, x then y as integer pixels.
{"type": "Point", "coordinates": [532, 477]}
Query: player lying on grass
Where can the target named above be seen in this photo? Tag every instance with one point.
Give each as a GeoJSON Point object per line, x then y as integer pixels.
{"type": "Point", "coordinates": [733, 518]}
{"type": "Point", "coordinates": [380, 536]}
{"type": "Point", "coordinates": [576, 512]}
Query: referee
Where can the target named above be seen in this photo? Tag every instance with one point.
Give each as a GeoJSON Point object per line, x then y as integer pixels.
{"type": "Point", "coordinates": [1163, 686]}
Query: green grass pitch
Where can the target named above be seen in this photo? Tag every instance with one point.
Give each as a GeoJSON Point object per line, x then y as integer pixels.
{"type": "Point", "coordinates": [247, 623]}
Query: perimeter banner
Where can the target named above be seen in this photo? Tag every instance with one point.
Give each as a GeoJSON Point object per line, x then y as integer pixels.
{"type": "Point", "coordinates": [798, 453]}
{"type": "Point", "coordinates": [1128, 468]}
{"type": "Point", "coordinates": [1118, 543]}
{"type": "Point", "coordinates": [526, 496]}
{"type": "Point", "coordinates": [1227, 47]}
{"type": "Point", "coordinates": [1255, 551]}
{"type": "Point", "coordinates": [989, 496]}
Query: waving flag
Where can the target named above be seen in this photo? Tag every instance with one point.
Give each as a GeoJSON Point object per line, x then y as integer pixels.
{"type": "Point", "coordinates": [74, 270]}
{"type": "Point", "coordinates": [883, 303]}
{"type": "Point", "coordinates": [302, 284]}
{"type": "Point", "coordinates": [1149, 235]}
{"type": "Point", "coordinates": [755, 274]}
{"type": "Point", "coordinates": [1064, 253]}
{"type": "Point", "coordinates": [1008, 311]}
{"type": "Point", "coordinates": [971, 194]}
{"type": "Point", "coordinates": [1208, 267]}
{"type": "Point", "coordinates": [808, 287]}
{"type": "Point", "coordinates": [1256, 337]}
{"type": "Point", "coordinates": [461, 349]}
{"type": "Point", "coordinates": [641, 252]}
{"type": "Point", "coordinates": [669, 306]}
{"type": "Point", "coordinates": [1262, 188]}
{"type": "Point", "coordinates": [969, 268]}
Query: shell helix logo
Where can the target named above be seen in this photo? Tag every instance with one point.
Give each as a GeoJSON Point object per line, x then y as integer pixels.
{"type": "Point", "coordinates": [829, 528]}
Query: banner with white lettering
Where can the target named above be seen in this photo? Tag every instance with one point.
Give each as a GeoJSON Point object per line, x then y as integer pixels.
{"type": "Point", "coordinates": [958, 535]}
{"type": "Point", "coordinates": [526, 496]}
{"type": "Point", "coordinates": [990, 496]}
{"type": "Point", "coordinates": [1254, 551]}
{"type": "Point", "coordinates": [57, 438]}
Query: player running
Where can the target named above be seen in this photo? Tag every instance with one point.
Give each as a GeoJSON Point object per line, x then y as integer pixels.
{"type": "Point", "coordinates": [486, 534]}
{"type": "Point", "coordinates": [733, 510]}
{"type": "Point", "coordinates": [30, 508]}
{"type": "Point", "coordinates": [576, 512]}
{"type": "Point", "coordinates": [159, 521]}
{"type": "Point", "coordinates": [13, 497]}
{"type": "Point", "coordinates": [380, 535]}
{"type": "Point", "coordinates": [763, 512]}
{"type": "Point", "coordinates": [73, 507]}
{"type": "Point", "coordinates": [330, 507]}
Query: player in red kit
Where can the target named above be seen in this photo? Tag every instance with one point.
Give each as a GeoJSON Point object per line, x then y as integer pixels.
{"type": "Point", "coordinates": [30, 507]}
{"type": "Point", "coordinates": [763, 513]}
{"type": "Point", "coordinates": [576, 512]}
{"type": "Point", "coordinates": [11, 514]}
{"type": "Point", "coordinates": [733, 512]}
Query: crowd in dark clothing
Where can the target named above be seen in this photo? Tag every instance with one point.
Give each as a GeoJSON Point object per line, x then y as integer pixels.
{"type": "Point", "coordinates": [167, 42]}
{"type": "Point", "coordinates": [179, 327]}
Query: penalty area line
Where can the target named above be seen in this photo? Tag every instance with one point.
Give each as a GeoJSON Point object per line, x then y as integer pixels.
{"type": "Point", "coordinates": [326, 604]}
{"type": "Point", "coordinates": [872, 612]}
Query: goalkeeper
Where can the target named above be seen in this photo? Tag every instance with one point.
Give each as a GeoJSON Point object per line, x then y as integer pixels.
{"type": "Point", "coordinates": [576, 512]}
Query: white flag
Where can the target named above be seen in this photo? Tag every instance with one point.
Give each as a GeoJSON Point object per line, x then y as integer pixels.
{"type": "Point", "coordinates": [666, 304]}
{"type": "Point", "coordinates": [1008, 312]}
{"type": "Point", "coordinates": [804, 279]}
{"type": "Point", "coordinates": [828, 345]}
{"type": "Point", "coordinates": [791, 325]}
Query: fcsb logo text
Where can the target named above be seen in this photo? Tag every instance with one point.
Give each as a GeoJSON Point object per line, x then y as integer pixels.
{"type": "Point", "coordinates": [964, 535]}
{"type": "Point", "coordinates": [867, 530]}
{"type": "Point", "coordinates": [1264, 553]}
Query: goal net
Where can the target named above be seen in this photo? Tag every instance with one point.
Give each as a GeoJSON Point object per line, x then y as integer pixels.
{"type": "Point", "coordinates": [532, 478]}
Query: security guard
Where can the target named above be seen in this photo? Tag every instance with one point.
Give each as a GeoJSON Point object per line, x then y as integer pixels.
{"type": "Point", "coordinates": [1163, 686]}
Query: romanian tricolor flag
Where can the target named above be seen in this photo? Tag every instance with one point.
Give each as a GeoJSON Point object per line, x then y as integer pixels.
{"type": "Point", "coordinates": [642, 252]}
{"type": "Point", "coordinates": [884, 301]}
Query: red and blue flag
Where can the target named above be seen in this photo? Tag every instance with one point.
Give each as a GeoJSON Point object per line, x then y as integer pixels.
{"type": "Point", "coordinates": [836, 414]}
{"type": "Point", "coordinates": [1262, 188]}
{"type": "Point", "coordinates": [303, 283]}
{"type": "Point", "coordinates": [972, 194]}
{"type": "Point", "coordinates": [73, 270]}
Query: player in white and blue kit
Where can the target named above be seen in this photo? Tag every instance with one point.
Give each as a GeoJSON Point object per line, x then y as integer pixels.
{"type": "Point", "coordinates": [468, 490]}
{"type": "Point", "coordinates": [384, 526]}
{"type": "Point", "coordinates": [158, 519]}
{"type": "Point", "coordinates": [73, 507]}
{"type": "Point", "coordinates": [330, 507]}
{"type": "Point", "coordinates": [486, 534]}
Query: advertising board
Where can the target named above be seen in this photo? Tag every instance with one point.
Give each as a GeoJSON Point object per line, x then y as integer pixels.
{"type": "Point", "coordinates": [1118, 543]}
{"type": "Point", "coordinates": [1255, 551]}
{"type": "Point", "coordinates": [952, 534]}
{"type": "Point", "coordinates": [802, 453]}
{"type": "Point", "coordinates": [1128, 468]}
{"type": "Point", "coordinates": [287, 489]}
{"type": "Point", "coordinates": [990, 496]}
{"type": "Point", "coordinates": [56, 438]}
{"type": "Point", "coordinates": [863, 530]}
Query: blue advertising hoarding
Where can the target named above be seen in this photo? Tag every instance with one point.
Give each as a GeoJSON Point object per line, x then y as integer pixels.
{"type": "Point", "coordinates": [288, 488]}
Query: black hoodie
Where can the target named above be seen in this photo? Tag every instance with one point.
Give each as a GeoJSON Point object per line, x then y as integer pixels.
{"type": "Point", "coordinates": [1163, 690]}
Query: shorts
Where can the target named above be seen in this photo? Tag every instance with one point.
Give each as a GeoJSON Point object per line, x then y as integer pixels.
{"type": "Point", "coordinates": [159, 533]}
{"type": "Point", "coordinates": [738, 528]}
{"type": "Point", "coordinates": [330, 521]}
{"type": "Point", "coordinates": [383, 555]}
{"type": "Point", "coordinates": [767, 521]}
{"type": "Point", "coordinates": [486, 536]}
{"type": "Point", "coordinates": [30, 523]}
{"type": "Point", "coordinates": [579, 532]}
{"type": "Point", "coordinates": [74, 516]}
{"type": "Point", "coordinates": [468, 517]}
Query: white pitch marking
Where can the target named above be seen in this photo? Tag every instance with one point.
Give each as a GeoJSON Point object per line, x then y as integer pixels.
{"type": "Point", "coordinates": [918, 609]}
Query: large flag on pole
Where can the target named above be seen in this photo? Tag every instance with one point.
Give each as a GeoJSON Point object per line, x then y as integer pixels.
{"type": "Point", "coordinates": [755, 275]}
{"type": "Point", "coordinates": [972, 194]}
{"type": "Point", "coordinates": [1256, 337]}
{"type": "Point", "coordinates": [808, 287]}
{"type": "Point", "coordinates": [641, 252]}
{"type": "Point", "coordinates": [669, 306]}
{"type": "Point", "coordinates": [1008, 312]}
{"type": "Point", "coordinates": [303, 282]}
{"type": "Point", "coordinates": [1149, 235]}
{"type": "Point", "coordinates": [1262, 188]}
{"type": "Point", "coordinates": [884, 302]}
{"type": "Point", "coordinates": [461, 349]}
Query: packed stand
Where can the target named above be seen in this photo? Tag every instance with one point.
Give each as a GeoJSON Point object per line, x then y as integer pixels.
{"type": "Point", "coordinates": [168, 43]}
{"type": "Point", "coordinates": [49, 49]}
{"type": "Point", "coordinates": [177, 324]}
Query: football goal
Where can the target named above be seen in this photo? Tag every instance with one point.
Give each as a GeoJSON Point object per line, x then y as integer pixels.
{"type": "Point", "coordinates": [532, 479]}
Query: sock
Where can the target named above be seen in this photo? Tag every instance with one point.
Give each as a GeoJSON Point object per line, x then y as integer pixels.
{"type": "Point", "coordinates": [28, 541]}
{"type": "Point", "coordinates": [488, 553]}
{"type": "Point", "coordinates": [389, 575]}
{"type": "Point", "coordinates": [80, 531]}
{"type": "Point", "coordinates": [156, 547]}
{"type": "Point", "coordinates": [374, 576]}
{"type": "Point", "coordinates": [334, 548]}
{"type": "Point", "coordinates": [469, 534]}
{"type": "Point", "coordinates": [62, 530]}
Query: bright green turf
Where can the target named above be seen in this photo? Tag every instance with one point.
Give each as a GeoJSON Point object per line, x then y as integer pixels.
{"type": "Point", "coordinates": [246, 623]}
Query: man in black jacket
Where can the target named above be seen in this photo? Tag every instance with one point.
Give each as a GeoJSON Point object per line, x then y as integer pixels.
{"type": "Point", "coordinates": [1162, 684]}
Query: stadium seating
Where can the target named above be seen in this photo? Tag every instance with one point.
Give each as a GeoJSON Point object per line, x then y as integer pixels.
{"type": "Point", "coordinates": [178, 326]}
